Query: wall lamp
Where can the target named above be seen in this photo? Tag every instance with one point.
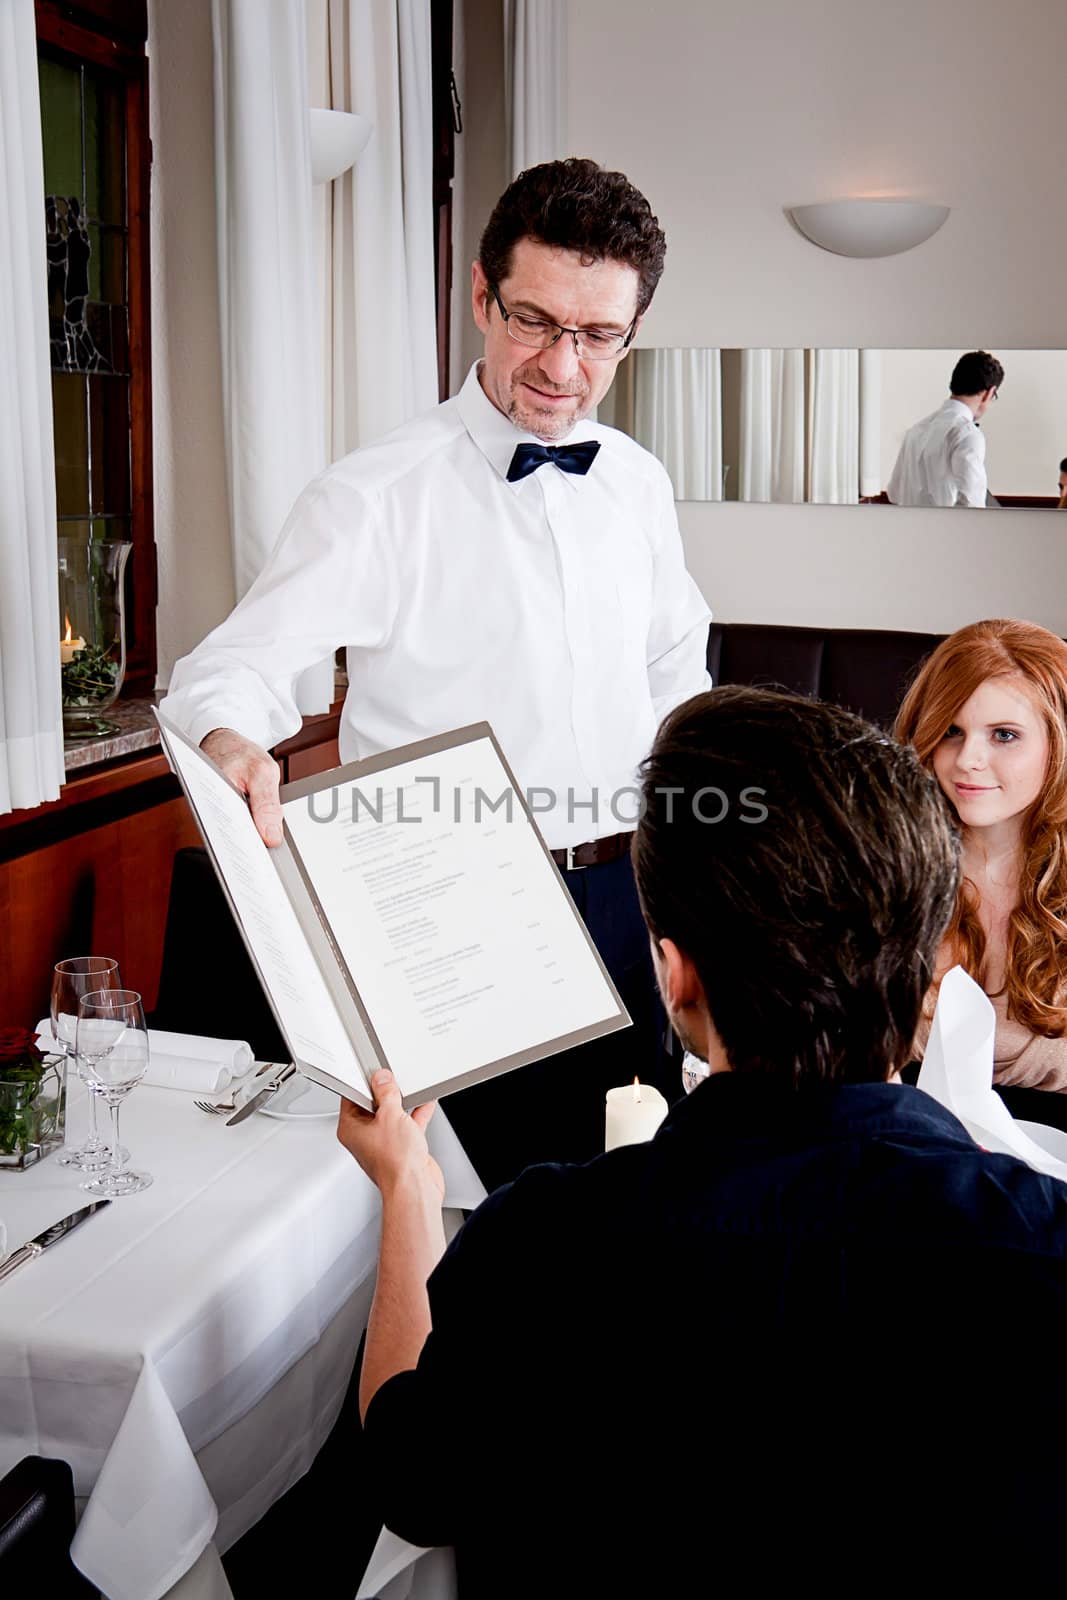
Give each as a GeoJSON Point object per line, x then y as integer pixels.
{"type": "Point", "coordinates": [867, 228]}
{"type": "Point", "coordinates": [338, 139]}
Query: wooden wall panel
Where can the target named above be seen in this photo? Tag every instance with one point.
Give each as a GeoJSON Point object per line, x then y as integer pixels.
{"type": "Point", "coordinates": [101, 892]}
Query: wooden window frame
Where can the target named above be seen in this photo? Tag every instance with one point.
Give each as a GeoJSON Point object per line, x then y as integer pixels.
{"type": "Point", "coordinates": [112, 34]}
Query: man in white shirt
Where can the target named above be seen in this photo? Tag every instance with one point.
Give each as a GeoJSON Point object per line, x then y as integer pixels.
{"type": "Point", "coordinates": [942, 458]}
{"type": "Point", "coordinates": [504, 558]}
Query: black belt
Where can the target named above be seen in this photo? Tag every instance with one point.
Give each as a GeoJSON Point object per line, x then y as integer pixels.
{"type": "Point", "coordinates": [594, 853]}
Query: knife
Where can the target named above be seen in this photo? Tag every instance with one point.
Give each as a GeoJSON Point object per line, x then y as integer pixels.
{"type": "Point", "coordinates": [59, 1230]}
{"type": "Point", "coordinates": [258, 1099]}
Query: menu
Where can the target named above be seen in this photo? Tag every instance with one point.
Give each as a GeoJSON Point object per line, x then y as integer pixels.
{"type": "Point", "coordinates": [412, 918]}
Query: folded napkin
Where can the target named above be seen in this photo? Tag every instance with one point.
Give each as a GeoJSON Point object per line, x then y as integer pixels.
{"type": "Point", "coordinates": [183, 1060]}
{"type": "Point", "coordinates": [957, 1071]}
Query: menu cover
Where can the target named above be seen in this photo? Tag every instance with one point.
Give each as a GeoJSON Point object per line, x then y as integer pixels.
{"type": "Point", "coordinates": [412, 918]}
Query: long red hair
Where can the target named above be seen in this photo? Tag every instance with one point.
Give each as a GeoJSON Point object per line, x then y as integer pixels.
{"type": "Point", "coordinates": [1036, 970]}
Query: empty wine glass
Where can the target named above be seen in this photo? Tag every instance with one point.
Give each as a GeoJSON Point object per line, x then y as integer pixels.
{"type": "Point", "coordinates": [70, 981]}
{"type": "Point", "coordinates": [112, 1041]}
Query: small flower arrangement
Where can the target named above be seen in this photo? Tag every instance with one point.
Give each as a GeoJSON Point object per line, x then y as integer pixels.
{"type": "Point", "coordinates": [32, 1098]}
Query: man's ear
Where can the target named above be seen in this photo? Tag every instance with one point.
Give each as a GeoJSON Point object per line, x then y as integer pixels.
{"type": "Point", "coordinates": [682, 987]}
{"type": "Point", "coordinates": [480, 297]}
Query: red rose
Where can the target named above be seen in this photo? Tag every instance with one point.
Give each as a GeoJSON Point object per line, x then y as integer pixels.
{"type": "Point", "coordinates": [19, 1045]}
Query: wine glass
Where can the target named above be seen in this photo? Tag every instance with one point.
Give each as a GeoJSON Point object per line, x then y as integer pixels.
{"type": "Point", "coordinates": [112, 1041]}
{"type": "Point", "coordinates": [70, 981]}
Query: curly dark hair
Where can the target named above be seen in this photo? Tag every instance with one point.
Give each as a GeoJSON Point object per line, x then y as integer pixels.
{"type": "Point", "coordinates": [576, 205]}
{"type": "Point", "coordinates": [806, 865]}
{"type": "Point", "coordinates": [975, 371]}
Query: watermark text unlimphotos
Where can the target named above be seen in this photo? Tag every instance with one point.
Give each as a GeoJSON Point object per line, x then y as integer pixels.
{"type": "Point", "coordinates": [626, 806]}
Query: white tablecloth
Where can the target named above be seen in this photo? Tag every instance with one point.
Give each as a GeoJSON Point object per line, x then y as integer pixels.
{"type": "Point", "coordinates": [187, 1350]}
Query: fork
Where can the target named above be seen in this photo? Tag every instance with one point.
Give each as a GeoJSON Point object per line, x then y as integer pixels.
{"type": "Point", "coordinates": [218, 1108]}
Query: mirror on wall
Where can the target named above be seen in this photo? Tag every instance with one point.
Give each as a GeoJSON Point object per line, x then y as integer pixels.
{"type": "Point", "coordinates": [826, 427]}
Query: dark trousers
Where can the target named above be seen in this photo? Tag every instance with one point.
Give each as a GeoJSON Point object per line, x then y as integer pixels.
{"type": "Point", "coordinates": [553, 1110]}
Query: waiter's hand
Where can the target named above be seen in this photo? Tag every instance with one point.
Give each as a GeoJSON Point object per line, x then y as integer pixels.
{"type": "Point", "coordinates": [250, 769]}
{"type": "Point", "coordinates": [389, 1144]}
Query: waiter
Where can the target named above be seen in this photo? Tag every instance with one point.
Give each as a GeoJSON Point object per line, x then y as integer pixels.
{"type": "Point", "coordinates": [942, 458]}
{"type": "Point", "coordinates": [501, 558]}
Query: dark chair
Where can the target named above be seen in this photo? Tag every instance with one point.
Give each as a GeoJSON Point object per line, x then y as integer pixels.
{"type": "Point", "coordinates": [36, 1527]}
{"type": "Point", "coordinates": [208, 984]}
{"type": "Point", "coordinates": [865, 670]}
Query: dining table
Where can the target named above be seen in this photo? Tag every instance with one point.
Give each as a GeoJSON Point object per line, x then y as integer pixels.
{"type": "Point", "coordinates": [187, 1349]}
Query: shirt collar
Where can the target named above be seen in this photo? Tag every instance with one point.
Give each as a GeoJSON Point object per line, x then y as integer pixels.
{"type": "Point", "coordinates": [496, 435]}
{"type": "Point", "coordinates": [746, 1116]}
{"type": "Point", "coordinates": [960, 407]}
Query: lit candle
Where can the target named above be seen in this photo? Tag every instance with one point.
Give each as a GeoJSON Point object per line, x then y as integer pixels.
{"type": "Point", "coordinates": [632, 1114]}
{"type": "Point", "coordinates": [68, 647]}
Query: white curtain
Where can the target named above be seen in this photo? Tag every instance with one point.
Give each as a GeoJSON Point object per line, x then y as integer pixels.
{"type": "Point", "coordinates": [535, 82]}
{"type": "Point", "coordinates": [835, 441]}
{"type": "Point", "coordinates": [383, 315]}
{"type": "Point", "coordinates": [870, 422]}
{"type": "Point", "coordinates": [678, 416]}
{"type": "Point", "coordinates": [773, 447]}
{"type": "Point", "coordinates": [269, 323]}
{"type": "Point", "coordinates": [31, 737]}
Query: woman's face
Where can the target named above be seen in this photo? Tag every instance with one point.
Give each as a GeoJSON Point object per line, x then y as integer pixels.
{"type": "Point", "coordinates": [992, 761]}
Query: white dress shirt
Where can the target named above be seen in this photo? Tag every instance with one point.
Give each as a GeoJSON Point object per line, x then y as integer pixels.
{"type": "Point", "coordinates": [557, 608]}
{"type": "Point", "coordinates": [941, 461]}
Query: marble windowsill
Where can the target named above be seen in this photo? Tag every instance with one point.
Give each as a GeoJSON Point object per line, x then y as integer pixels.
{"type": "Point", "coordinates": [137, 731]}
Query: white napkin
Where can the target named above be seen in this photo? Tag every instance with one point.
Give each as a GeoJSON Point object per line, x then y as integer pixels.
{"type": "Point", "coordinates": [957, 1071]}
{"type": "Point", "coordinates": [183, 1060]}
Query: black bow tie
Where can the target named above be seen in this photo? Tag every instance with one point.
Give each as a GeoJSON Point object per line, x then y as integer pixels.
{"type": "Point", "coordinates": [570, 457]}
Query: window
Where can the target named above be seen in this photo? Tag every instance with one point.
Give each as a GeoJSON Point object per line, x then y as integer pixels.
{"type": "Point", "coordinates": [94, 103]}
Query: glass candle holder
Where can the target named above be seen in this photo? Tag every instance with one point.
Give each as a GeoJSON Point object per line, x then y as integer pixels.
{"type": "Point", "coordinates": [92, 646]}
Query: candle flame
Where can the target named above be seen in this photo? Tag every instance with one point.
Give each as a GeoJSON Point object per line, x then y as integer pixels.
{"type": "Point", "coordinates": [637, 1091]}
{"type": "Point", "coordinates": [68, 636]}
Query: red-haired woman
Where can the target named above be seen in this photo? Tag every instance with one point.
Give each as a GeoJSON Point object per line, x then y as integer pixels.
{"type": "Point", "coordinates": [988, 715]}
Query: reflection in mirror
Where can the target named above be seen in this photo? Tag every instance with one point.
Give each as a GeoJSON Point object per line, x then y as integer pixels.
{"type": "Point", "coordinates": [826, 426]}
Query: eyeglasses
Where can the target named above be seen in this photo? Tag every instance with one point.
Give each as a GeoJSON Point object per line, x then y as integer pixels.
{"type": "Point", "coordinates": [592, 344]}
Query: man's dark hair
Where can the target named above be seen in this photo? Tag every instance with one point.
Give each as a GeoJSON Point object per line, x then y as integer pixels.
{"type": "Point", "coordinates": [814, 928]}
{"type": "Point", "coordinates": [576, 205]}
{"type": "Point", "coordinates": [975, 371]}
{"type": "Point", "coordinates": [1063, 464]}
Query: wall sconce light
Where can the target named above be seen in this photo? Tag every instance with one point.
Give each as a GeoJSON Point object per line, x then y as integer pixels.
{"type": "Point", "coordinates": [867, 228]}
{"type": "Point", "coordinates": [338, 139]}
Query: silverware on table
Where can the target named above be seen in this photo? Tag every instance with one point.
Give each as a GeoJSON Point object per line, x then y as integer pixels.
{"type": "Point", "coordinates": [44, 1241]}
{"type": "Point", "coordinates": [264, 1094]}
{"type": "Point", "coordinates": [216, 1108]}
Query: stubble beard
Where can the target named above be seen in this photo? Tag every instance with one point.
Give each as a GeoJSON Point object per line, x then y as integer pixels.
{"type": "Point", "coordinates": [547, 423]}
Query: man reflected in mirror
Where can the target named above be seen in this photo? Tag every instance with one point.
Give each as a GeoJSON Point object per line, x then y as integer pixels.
{"type": "Point", "coordinates": [942, 458]}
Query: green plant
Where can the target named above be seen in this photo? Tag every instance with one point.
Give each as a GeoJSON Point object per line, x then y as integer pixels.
{"type": "Point", "coordinates": [28, 1111]}
{"type": "Point", "coordinates": [89, 677]}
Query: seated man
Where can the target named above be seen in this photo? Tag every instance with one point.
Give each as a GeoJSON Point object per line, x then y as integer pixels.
{"type": "Point", "coordinates": [769, 1345]}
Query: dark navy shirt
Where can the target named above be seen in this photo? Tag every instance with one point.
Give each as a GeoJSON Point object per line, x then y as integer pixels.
{"type": "Point", "coordinates": [809, 1334]}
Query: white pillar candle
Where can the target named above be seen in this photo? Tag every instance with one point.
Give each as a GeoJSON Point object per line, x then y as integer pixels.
{"type": "Point", "coordinates": [68, 648]}
{"type": "Point", "coordinates": [632, 1114]}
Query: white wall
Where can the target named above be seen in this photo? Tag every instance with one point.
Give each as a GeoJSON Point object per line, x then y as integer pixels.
{"type": "Point", "coordinates": [725, 114]}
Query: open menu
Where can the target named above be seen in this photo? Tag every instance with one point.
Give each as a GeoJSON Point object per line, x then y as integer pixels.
{"type": "Point", "coordinates": [412, 918]}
